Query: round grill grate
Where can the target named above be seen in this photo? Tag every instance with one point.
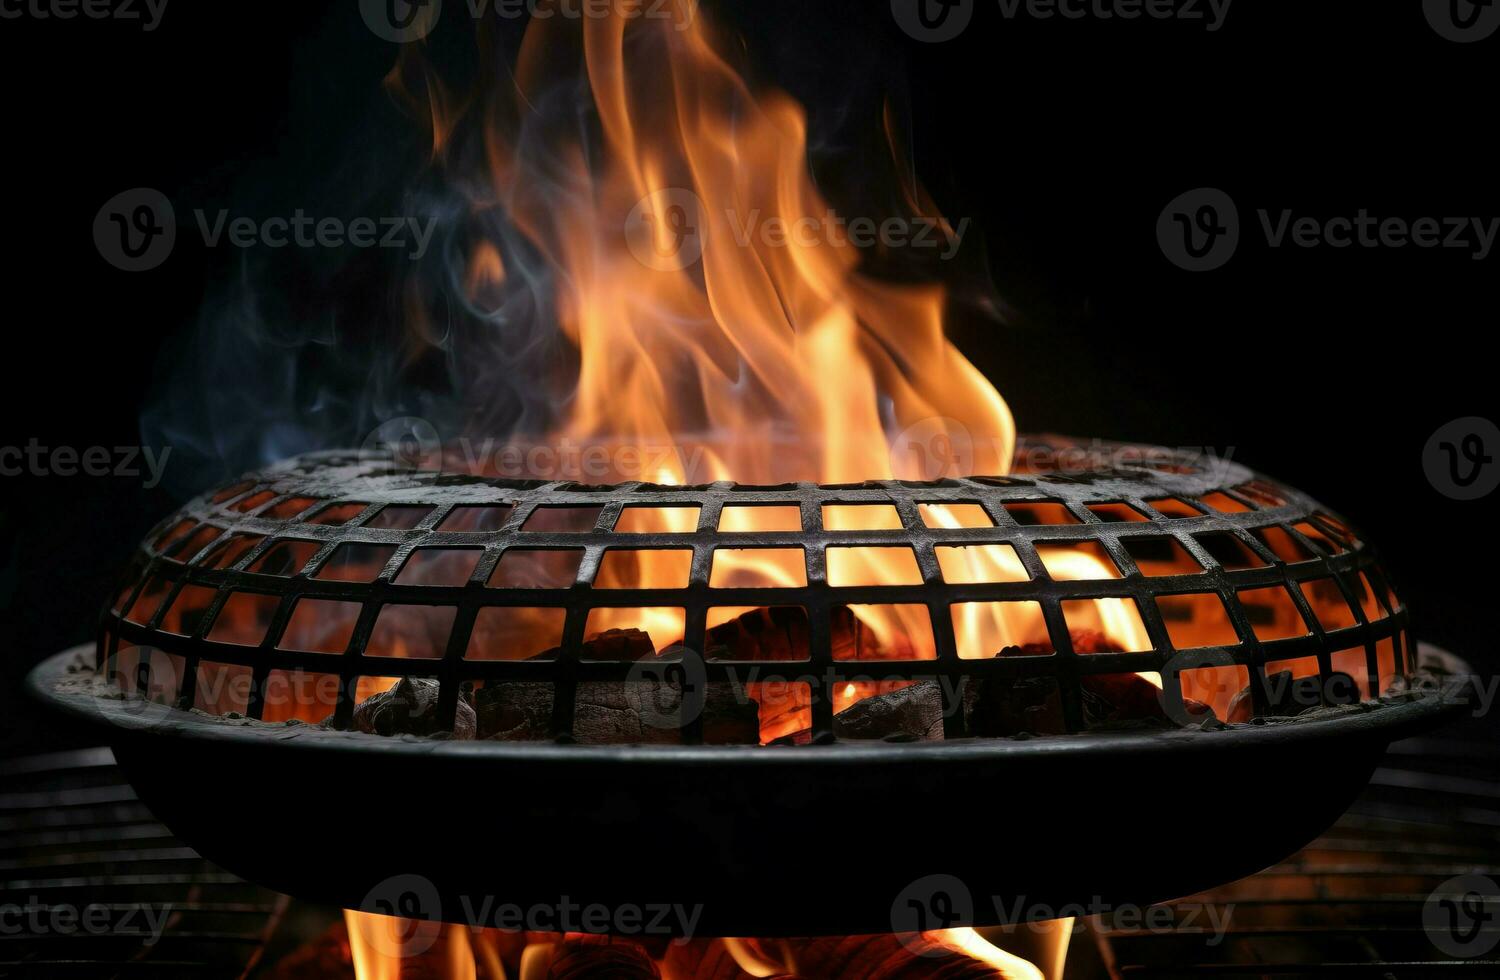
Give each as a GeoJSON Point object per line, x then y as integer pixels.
{"type": "Point", "coordinates": [301, 591]}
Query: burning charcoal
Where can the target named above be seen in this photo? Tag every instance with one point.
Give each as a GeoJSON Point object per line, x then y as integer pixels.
{"type": "Point", "coordinates": [609, 714]}
{"type": "Point", "coordinates": [519, 712]}
{"type": "Point", "coordinates": [1012, 707]}
{"type": "Point", "coordinates": [712, 959]}
{"type": "Point", "coordinates": [853, 640]}
{"type": "Point", "coordinates": [884, 957]}
{"type": "Point", "coordinates": [1289, 696]}
{"type": "Point", "coordinates": [411, 708]}
{"type": "Point", "coordinates": [703, 959]}
{"type": "Point", "coordinates": [915, 712]}
{"type": "Point", "coordinates": [628, 644]}
{"type": "Point", "coordinates": [774, 633]}
{"type": "Point", "coordinates": [727, 720]}
{"type": "Point", "coordinates": [497, 953]}
{"type": "Point", "coordinates": [1113, 699]}
{"type": "Point", "coordinates": [587, 958]}
{"type": "Point", "coordinates": [1000, 707]}
{"type": "Point", "coordinates": [781, 633]}
{"type": "Point", "coordinates": [1242, 707]}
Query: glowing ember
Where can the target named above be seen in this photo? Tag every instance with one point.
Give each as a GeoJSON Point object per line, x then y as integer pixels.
{"type": "Point", "coordinates": [384, 948]}
{"type": "Point", "coordinates": [764, 361]}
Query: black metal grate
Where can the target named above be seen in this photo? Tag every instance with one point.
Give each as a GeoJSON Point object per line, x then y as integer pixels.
{"type": "Point", "coordinates": [270, 542]}
{"type": "Point", "coordinates": [74, 841]}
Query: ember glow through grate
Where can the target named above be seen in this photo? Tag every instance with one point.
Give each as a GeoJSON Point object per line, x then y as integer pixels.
{"type": "Point", "coordinates": [1040, 604]}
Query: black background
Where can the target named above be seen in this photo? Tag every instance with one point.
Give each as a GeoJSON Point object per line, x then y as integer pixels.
{"type": "Point", "coordinates": [1063, 140]}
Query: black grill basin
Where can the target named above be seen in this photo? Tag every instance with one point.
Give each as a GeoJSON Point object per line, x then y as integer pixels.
{"type": "Point", "coordinates": [819, 839]}
{"type": "Point", "coordinates": [1240, 585]}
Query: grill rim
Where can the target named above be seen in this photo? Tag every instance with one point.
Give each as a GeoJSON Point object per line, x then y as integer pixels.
{"type": "Point", "coordinates": [1389, 720]}
{"type": "Point", "coordinates": [340, 476]}
{"type": "Point", "coordinates": [737, 808]}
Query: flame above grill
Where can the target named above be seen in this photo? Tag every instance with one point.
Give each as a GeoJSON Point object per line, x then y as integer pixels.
{"type": "Point", "coordinates": [682, 322]}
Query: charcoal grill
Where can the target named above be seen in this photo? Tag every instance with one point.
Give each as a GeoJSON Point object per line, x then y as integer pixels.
{"type": "Point", "coordinates": [1202, 553]}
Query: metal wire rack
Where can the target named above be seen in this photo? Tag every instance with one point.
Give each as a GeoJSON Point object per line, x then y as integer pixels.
{"type": "Point", "coordinates": [292, 593]}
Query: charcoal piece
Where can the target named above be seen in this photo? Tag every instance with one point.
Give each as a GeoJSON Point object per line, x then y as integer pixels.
{"type": "Point", "coordinates": [1122, 699]}
{"type": "Point", "coordinates": [607, 713]}
{"type": "Point", "coordinates": [1242, 708]}
{"type": "Point", "coordinates": [611, 713]}
{"type": "Point", "coordinates": [880, 957]}
{"type": "Point", "coordinates": [1291, 696]}
{"type": "Point", "coordinates": [1288, 696]}
{"type": "Point", "coordinates": [1002, 707]}
{"type": "Point", "coordinates": [411, 708]}
{"type": "Point", "coordinates": [729, 719]}
{"type": "Point", "coordinates": [514, 712]}
{"type": "Point", "coordinates": [769, 633]}
{"type": "Point", "coordinates": [627, 644]}
{"type": "Point", "coordinates": [914, 712]}
{"type": "Point", "coordinates": [586, 959]}
{"type": "Point", "coordinates": [780, 633]}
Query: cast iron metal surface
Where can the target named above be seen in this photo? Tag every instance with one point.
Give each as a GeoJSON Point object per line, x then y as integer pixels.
{"type": "Point", "coordinates": [268, 539]}
{"type": "Point", "coordinates": [1349, 904]}
{"type": "Point", "coordinates": [334, 816]}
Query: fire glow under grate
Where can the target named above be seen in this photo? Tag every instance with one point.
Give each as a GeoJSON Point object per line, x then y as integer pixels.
{"type": "Point", "coordinates": [303, 591]}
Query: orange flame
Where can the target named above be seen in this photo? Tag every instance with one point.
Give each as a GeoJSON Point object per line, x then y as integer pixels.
{"type": "Point", "coordinates": [704, 310]}
{"type": "Point", "coordinates": [764, 357]}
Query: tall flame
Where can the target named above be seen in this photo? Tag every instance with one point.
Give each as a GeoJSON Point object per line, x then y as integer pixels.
{"type": "Point", "coordinates": [665, 222]}
{"type": "Point", "coordinates": [704, 309]}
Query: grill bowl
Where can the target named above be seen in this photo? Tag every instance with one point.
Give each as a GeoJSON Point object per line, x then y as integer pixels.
{"type": "Point", "coordinates": [820, 839]}
{"type": "Point", "coordinates": [838, 830]}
